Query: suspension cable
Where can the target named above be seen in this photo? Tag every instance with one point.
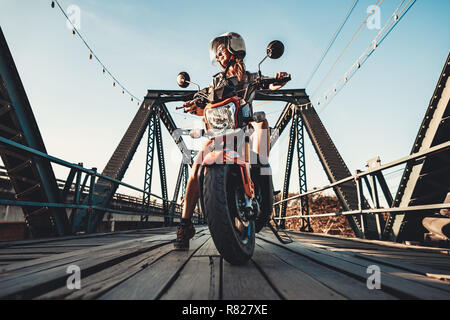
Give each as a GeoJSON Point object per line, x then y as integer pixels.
{"type": "Point", "coordinates": [347, 47]}
{"type": "Point", "coordinates": [374, 45]}
{"type": "Point", "coordinates": [333, 39]}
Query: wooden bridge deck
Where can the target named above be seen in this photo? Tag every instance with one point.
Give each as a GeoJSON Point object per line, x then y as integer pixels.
{"type": "Point", "coordinates": [142, 265]}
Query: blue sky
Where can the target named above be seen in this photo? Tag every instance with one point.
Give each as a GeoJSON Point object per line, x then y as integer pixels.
{"type": "Point", "coordinates": [82, 117]}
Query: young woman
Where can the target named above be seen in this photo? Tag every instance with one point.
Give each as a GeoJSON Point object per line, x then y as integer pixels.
{"type": "Point", "coordinates": [228, 50]}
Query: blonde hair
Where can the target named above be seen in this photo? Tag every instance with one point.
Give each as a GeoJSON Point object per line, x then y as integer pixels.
{"type": "Point", "coordinates": [237, 69]}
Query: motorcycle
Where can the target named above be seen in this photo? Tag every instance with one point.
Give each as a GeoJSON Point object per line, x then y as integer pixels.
{"type": "Point", "coordinates": [236, 191]}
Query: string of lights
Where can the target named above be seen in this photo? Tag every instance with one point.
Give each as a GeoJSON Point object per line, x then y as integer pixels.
{"type": "Point", "coordinates": [396, 17]}
{"type": "Point", "coordinates": [92, 55]}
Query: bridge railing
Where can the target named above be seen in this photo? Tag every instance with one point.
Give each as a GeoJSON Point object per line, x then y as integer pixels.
{"type": "Point", "coordinates": [89, 188]}
{"type": "Point", "coordinates": [372, 172]}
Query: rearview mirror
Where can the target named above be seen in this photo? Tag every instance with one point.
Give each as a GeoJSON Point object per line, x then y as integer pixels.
{"type": "Point", "coordinates": [275, 49]}
{"type": "Point", "coordinates": [183, 79]}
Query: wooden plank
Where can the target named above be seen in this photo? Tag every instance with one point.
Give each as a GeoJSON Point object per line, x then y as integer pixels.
{"type": "Point", "coordinates": [5, 244]}
{"type": "Point", "coordinates": [246, 283]}
{"type": "Point", "coordinates": [208, 249]}
{"type": "Point", "coordinates": [99, 283]}
{"type": "Point", "coordinates": [394, 280]}
{"type": "Point", "coordinates": [345, 285]}
{"type": "Point", "coordinates": [399, 263]}
{"type": "Point", "coordinates": [199, 280]}
{"type": "Point", "coordinates": [386, 260]}
{"type": "Point", "coordinates": [47, 251]}
{"type": "Point", "coordinates": [391, 266]}
{"type": "Point", "coordinates": [386, 244]}
{"type": "Point", "coordinates": [396, 253]}
{"type": "Point", "coordinates": [39, 264]}
{"type": "Point", "coordinates": [36, 282]}
{"type": "Point", "coordinates": [20, 257]}
{"type": "Point", "coordinates": [290, 282]}
{"type": "Point", "coordinates": [69, 246]}
{"type": "Point", "coordinates": [152, 282]}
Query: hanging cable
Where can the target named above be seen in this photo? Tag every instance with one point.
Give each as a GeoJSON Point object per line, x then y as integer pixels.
{"type": "Point", "coordinates": [347, 47]}
{"type": "Point", "coordinates": [333, 39]}
{"type": "Point", "coordinates": [374, 45]}
{"type": "Point", "coordinates": [93, 55]}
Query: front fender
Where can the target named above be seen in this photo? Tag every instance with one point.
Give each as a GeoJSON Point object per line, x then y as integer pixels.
{"type": "Point", "coordinates": [232, 157]}
{"type": "Point", "coordinates": [223, 157]}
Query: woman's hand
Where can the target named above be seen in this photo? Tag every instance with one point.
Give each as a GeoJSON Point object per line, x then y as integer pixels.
{"type": "Point", "coordinates": [191, 107]}
{"type": "Point", "coordinates": [279, 75]}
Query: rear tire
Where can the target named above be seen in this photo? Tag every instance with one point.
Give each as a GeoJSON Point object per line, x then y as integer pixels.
{"type": "Point", "coordinates": [221, 185]}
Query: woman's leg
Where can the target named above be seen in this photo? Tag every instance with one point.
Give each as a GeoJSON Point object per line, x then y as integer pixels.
{"type": "Point", "coordinates": [192, 193]}
{"type": "Point", "coordinates": [261, 140]}
{"type": "Point", "coordinates": [186, 230]}
{"type": "Point", "coordinates": [192, 188]}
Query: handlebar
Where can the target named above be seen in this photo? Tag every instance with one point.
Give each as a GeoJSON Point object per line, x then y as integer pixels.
{"type": "Point", "coordinates": [197, 101]}
{"type": "Point", "coordinates": [265, 82]}
{"type": "Point", "coordinates": [262, 83]}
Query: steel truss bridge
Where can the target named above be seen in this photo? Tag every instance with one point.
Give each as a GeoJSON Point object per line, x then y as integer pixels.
{"type": "Point", "coordinates": [61, 214]}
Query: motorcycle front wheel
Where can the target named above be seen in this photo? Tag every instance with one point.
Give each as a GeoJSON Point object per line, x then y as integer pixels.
{"type": "Point", "coordinates": [222, 196]}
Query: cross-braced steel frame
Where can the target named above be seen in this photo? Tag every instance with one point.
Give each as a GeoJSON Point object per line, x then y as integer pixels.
{"type": "Point", "coordinates": [29, 170]}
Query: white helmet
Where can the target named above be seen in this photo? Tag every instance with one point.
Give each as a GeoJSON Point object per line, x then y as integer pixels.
{"type": "Point", "coordinates": [232, 41]}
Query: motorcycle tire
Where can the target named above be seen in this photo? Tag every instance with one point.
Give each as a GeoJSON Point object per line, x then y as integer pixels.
{"type": "Point", "coordinates": [222, 185]}
{"type": "Point", "coordinates": [264, 195]}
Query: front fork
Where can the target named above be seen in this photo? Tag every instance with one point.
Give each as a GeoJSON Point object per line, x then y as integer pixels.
{"type": "Point", "coordinates": [252, 208]}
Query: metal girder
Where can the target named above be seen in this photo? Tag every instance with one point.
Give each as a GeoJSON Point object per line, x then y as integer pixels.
{"type": "Point", "coordinates": [116, 167]}
{"type": "Point", "coordinates": [282, 122]}
{"type": "Point", "coordinates": [419, 185]}
{"type": "Point", "coordinates": [181, 183]}
{"type": "Point", "coordinates": [33, 178]}
{"type": "Point", "coordinates": [149, 167]}
{"type": "Point", "coordinates": [296, 142]}
{"type": "Point", "coordinates": [336, 169]}
{"type": "Point", "coordinates": [161, 164]}
{"type": "Point", "coordinates": [288, 169]}
{"type": "Point", "coordinates": [170, 125]}
{"type": "Point", "coordinates": [304, 202]}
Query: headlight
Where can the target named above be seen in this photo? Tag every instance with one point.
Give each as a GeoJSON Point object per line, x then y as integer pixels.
{"type": "Point", "coordinates": [221, 118]}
